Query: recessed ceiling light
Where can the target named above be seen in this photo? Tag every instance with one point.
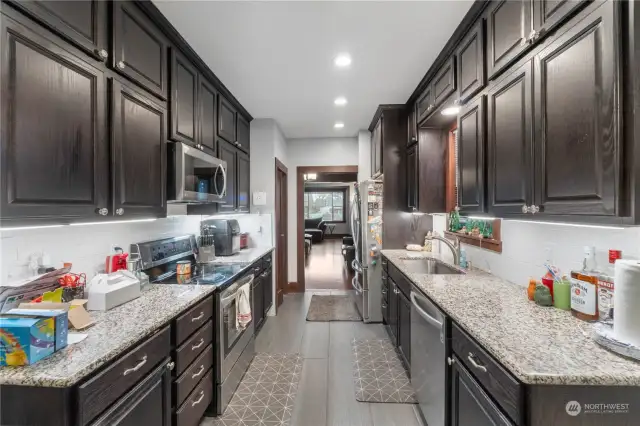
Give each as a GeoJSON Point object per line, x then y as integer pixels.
{"type": "Point", "coordinates": [340, 101]}
{"type": "Point", "coordinates": [342, 60]}
{"type": "Point", "coordinates": [450, 111]}
{"type": "Point", "coordinates": [338, 125]}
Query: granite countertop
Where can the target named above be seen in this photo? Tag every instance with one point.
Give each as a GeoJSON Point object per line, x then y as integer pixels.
{"type": "Point", "coordinates": [114, 332]}
{"type": "Point", "coordinates": [539, 345]}
{"type": "Point", "coordinates": [248, 255]}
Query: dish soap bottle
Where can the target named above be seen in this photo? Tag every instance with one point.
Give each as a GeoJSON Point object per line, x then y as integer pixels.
{"type": "Point", "coordinates": [584, 288]}
{"type": "Point", "coordinates": [463, 258]}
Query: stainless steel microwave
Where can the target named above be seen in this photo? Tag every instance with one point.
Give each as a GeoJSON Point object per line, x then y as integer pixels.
{"type": "Point", "coordinates": [194, 176]}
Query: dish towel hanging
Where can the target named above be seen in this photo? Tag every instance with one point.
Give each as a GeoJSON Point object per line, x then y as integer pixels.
{"type": "Point", "coordinates": [243, 302]}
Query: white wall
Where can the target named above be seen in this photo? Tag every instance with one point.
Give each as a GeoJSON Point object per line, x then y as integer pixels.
{"type": "Point", "coordinates": [526, 246]}
{"type": "Point", "coordinates": [364, 155]}
{"type": "Point", "coordinates": [340, 228]}
{"type": "Point", "coordinates": [312, 152]}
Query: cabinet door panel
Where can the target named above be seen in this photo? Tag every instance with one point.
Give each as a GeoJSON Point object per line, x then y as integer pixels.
{"type": "Point", "coordinates": [404, 320]}
{"type": "Point", "coordinates": [184, 99]}
{"type": "Point", "coordinates": [577, 126]}
{"type": "Point", "coordinates": [393, 311]}
{"type": "Point", "coordinates": [207, 98]}
{"type": "Point", "coordinates": [510, 151]}
{"type": "Point", "coordinates": [228, 153]}
{"type": "Point", "coordinates": [471, 192]}
{"type": "Point", "coordinates": [470, 54]}
{"type": "Point", "coordinates": [226, 120]}
{"type": "Point", "coordinates": [444, 83]}
{"type": "Point", "coordinates": [139, 153]}
{"type": "Point", "coordinates": [412, 124]}
{"type": "Point", "coordinates": [508, 25]}
{"type": "Point", "coordinates": [81, 22]}
{"type": "Point", "coordinates": [549, 13]}
{"type": "Point", "coordinates": [412, 178]}
{"type": "Point", "coordinates": [268, 290]}
{"type": "Point", "coordinates": [424, 104]}
{"type": "Point", "coordinates": [243, 182]}
{"type": "Point", "coordinates": [139, 48]}
{"type": "Point", "coordinates": [377, 138]}
{"type": "Point", "coordinates": [243, 134]}
{"type": "Point", "coordinates": [54, 148]}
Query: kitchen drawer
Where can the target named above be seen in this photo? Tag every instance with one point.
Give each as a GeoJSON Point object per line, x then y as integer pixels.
{"type": "Point", "coordinates": [191, 411]}
{"type": "Point", "coordinates": [266, 261]}
{"type": "Point", "coordinates": [401, 281]}
{"type": "Point", "coordinates": [193, 319]}
{"type": "Point", "coordinates": [385, 263]}
{"type": "Point", "coordinates": [194, 346]}
{"type": "Point", "coordinates": [103, 389]}
{"type": "Point", "coordinates": [501, 385]}
{"type": "Point", "coordinates": [183, 386]}
{"type": "Point", "coordinates": [257, 268]}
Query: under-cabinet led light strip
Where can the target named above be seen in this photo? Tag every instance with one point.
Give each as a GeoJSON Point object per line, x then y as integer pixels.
{"type": "Point", "coordinates": [20, 228]}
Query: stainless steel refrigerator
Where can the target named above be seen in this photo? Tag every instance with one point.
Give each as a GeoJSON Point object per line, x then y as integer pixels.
{"type": "Point", "coordinates": [366, 228]}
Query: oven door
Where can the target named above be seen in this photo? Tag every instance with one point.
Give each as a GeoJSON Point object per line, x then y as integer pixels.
{"type": "Point", "coordinates": [232, 340]}
{"type": "Point", "coordinates": [194, 177]}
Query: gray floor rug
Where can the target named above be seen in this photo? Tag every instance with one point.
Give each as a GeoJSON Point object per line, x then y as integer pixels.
{"type": "Point", "coordinates": [332, 308]}
{"type": "Point", "coordinates": [378, 373]}
{"type": "Point", "coordinates": [266, 394]}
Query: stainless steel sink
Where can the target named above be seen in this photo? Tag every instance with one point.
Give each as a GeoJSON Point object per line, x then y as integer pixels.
{"type": "Point", "coordinates": [428, 266]}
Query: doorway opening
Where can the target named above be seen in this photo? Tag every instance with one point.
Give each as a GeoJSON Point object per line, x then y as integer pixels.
{"type": "Point", "coordinates": [325, 246]}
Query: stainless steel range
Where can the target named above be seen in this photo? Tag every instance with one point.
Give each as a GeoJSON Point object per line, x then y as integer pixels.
{"type": "Point", "coordinates": [235, 346]}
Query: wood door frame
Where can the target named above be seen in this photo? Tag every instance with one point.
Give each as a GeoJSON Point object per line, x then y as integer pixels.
{"type": "Point", "coordinates": [280, 167]}
{"type": "Point", "coordinates": [299, 286]}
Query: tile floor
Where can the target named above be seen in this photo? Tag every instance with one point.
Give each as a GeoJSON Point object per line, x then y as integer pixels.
{"type": "Point", "coordinates": [326, 392]}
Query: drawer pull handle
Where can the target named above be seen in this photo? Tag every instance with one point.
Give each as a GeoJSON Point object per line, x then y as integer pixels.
{"type": "Point", "coordinates": [198, 318]}
{"type": "Point", "coordinates": [197, 401]}
{"type": "Point", "coordinates": [199, 345]}
{"type": "Point", "coordinates": [194, 375]}
{"type": "Point", "coordinates": [138, 366]}
{"type": "Point", "coordinates": [473, 362]}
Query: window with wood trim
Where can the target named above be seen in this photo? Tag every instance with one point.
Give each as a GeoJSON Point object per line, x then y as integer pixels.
{"type": "Point", "coordinates": [327, 203]}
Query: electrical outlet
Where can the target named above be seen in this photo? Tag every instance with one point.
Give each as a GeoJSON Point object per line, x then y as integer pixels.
{"type": "Point", "coordinates": [259, 198]}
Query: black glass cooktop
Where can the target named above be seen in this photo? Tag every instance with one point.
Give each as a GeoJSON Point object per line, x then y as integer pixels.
{"type": "Point", "coordinates": [216, 274]}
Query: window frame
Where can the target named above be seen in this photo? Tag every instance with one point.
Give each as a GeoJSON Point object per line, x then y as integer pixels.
{"type": "Point", "coordinates": [345, 195]}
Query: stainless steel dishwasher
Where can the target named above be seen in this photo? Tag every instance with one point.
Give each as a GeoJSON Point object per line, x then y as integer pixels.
{"type": "Point", "coordinates": [428, 358]}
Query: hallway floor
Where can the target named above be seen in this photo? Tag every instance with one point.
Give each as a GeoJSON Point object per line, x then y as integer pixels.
{"type": "Point", "coordinates": [325, 268]}
{"type": "Point", "coordinates": [325, 394]}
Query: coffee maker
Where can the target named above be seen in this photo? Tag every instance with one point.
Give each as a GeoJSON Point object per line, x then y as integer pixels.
{"type": "Point", "coordinates": [226, 235]}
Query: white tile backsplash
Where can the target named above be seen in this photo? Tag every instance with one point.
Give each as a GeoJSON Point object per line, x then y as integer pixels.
{"type": "Point", "coordinates": [527, 245]}
{"type": "Point", "coordinates": [87, 246]}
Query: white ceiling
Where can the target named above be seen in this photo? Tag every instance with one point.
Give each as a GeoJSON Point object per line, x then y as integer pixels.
{"type": "Point", "coordinates": [277, 57]}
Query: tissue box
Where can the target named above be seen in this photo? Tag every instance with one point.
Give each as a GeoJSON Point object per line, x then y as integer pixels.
{"type": "Point", "coordinates": [26, 340]}
{"type": "Point", "coordinates": [60, 317]}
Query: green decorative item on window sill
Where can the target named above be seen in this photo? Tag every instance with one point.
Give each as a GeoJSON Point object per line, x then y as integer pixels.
{"type": "Point", "coordinates": [474, 227]}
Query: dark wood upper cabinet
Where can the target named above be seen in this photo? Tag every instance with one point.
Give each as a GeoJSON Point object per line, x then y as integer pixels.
{"type": "Point", "coordinates": [376, 148]}
{"type": "Point", "coordinates": [471, 152]}
{"type": "Point", "coordinates": [509, 143]}
{"type": "Point", "coordinates": [184, 100]}
{"type": "Point", "coordinates": [412, 178]}
{"type": "Point", "coordinates": [243, 182]}
{"type": "Point", "coordinates": [431, 165]}
{"type": "Point", "coordinates": [412, 123]}
{"type": "Point", "coordinates": [83, 23]}
{"type": "Point", "coordinates": [508, 29]}
{"type": "Point", "coordinates": [444, 83]}
{"type": "Point", "coordinates": [424, 104]}
{"type": "Point", "coordinates": [226, 120]}
{"type": "Point", "coordinates": [207, 99]}
{"type": "Point", "coordinates": [138, 153]}
{"type": "Point", "coordinates": [549, 13]}
{"type": "Point", "coordinates": [469, 403]}
{"type": "Point", "coordinates": [139, 48]}
{"type": "Point", "coordinates": [243, 134]}
{"type": "Point", "coordinates": [471, 67]}
{"type": "Point", "coordinates": [578, 152]}
{"type": "Point", "coordinates": [54, 147]}
{"type": "Point", "coordinates": [228, 153]}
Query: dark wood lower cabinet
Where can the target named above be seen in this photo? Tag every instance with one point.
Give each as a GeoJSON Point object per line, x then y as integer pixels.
{"type": "Point", "coordinates": [470, 405]}
{"type": "Point", "coordinates": [258, 301]}
{"type": "Point", "coordinates": [267, 287]}
{"type": "Point", "coordinates": [148, 403]}
{"type": "Point", "coordinates": [393, 311]}
{"type": "Point", "coordinates": [404, 328]}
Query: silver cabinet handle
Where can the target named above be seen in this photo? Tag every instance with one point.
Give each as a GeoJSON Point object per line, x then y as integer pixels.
{"type": "Point", "coordinates": [450, 361]}
{"type": "Point", "coordinates": [121, 65]}
{"type": "Point", "coordinates": [103, 211]}
{"type": "Point", "coordinates": [171, 365]}
{"type": "Point", "coordinates": [102, 53]}
{"type": "Point", "coordinates": [138, 366]}
{"type": "Point", "coordinates": [534, 209]}
{"type": "Point", "coordinates": [473, 362]}
{"type": "Point", "coordinates": [525, 209]}
{"type": "Point", "coordinates": [533, 36]}
{"type": "Point", "coordinates": [199, 345]}
{"type": "Point", "coordinates": [384, 306]}
{"type": "Point", "coordinates": [120, 211]}
{"type": "Point", "coordinates": [523, 42]}
{"type": "Point", "coordinates": [198, 318]}
{"type": "Point", "coordinates": [197, 401]}
{"type": "Point", "coordinates": [194, 375]}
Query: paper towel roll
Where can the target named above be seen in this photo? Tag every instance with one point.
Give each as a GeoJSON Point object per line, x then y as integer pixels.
{"type": "Point", "coordinates": [626, 301]}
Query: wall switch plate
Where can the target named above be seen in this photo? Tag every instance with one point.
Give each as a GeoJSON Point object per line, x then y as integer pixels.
{"type": "Point", "coordinates": [259, 198]}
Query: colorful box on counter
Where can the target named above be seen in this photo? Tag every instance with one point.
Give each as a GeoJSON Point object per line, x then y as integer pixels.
{"type": "Point", "coordinates": [60, 316]}
{"type": "Point", "coordinates": [25, 340]}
